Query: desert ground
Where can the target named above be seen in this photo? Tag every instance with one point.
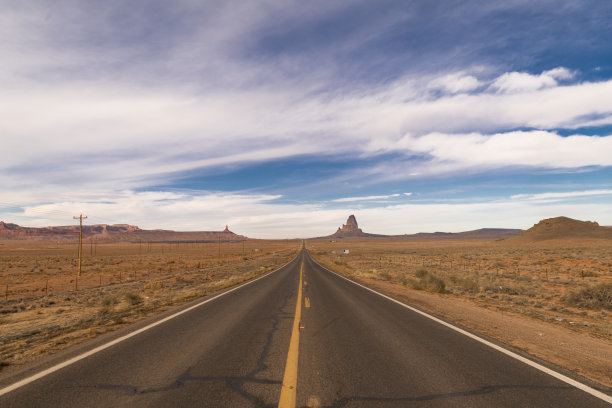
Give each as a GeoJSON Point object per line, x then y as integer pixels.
{"type": "Point", "coordinates": [46, 307]}
{"type": "Point", "coordinates": [552, 299]}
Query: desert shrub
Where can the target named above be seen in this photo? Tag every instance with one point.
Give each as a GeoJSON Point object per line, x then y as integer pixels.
{"type": "Point", "coordinates": [466, 285]}
{"type": "Point", "coordinates": [469, 285]}
{"type": "Point", "coordinates": [520, 300]}
{"type": "Point", "coordinates": [592, 297]}
{"type": "Point", "coordinates": [429, 282]}
{"type": "Point", "coordinates": [406, 281]}
{"type": "Point", "coordinates": [108, 304]}
{"type": "Point", "coordinates": [385, 276]}
{"type": "Point", "coordinates": [132, 298]}
{"type": "Point", "coordinates": [588, 274]}
{"type": "Point", "coordinates": [154, 285]}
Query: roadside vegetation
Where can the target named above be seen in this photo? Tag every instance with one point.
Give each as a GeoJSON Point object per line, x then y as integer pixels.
{"type": "Point", "coordinates": [565, 283]}
{"type": "Point", "coordinates": [592, 297]}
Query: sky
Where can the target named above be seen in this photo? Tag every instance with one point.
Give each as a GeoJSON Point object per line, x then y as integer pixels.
{"type": "Point", "coordinates": [282, 118]}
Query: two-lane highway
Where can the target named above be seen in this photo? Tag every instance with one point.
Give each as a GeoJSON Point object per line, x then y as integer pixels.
{"type": "Point", "coordinates": [306, 337]}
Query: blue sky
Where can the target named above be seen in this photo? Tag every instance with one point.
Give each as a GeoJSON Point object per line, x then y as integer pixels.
{"type": "Point", "coordinates": [281, 118]}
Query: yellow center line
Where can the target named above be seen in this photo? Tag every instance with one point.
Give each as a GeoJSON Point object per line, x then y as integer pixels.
{"type": "Point", "coordinates": [289, 389]}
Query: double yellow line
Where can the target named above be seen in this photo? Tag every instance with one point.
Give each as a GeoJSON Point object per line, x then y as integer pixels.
{"type": "Point", "coordinates": [289, 389]}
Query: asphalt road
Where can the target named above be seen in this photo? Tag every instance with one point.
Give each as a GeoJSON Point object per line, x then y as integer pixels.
{"type": "Point", "coordinates": [354, 348]}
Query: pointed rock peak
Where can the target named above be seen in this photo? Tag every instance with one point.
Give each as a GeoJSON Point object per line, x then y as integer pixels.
{"type": "Point", "coordinates": [350, 229]}
{"type": "Point", "coordinates": [351, 222]}
{"type": "Point", "coordinates": [226, 229]}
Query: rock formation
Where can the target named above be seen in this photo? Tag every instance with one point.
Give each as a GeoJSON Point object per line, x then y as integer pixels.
{"type": "Point", "coordinates": [115, 232]}
{"type": "Point", "coordinates": [351, 226]}
{"type": "Point", "coordinates": [350, 229]}
{"type": "Point", "coordinates": [564, 228]}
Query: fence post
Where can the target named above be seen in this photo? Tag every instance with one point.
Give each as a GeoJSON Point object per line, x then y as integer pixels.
{"type": "Point", "coordinates": [6, 293]}
{"type": "Point", "coordinates": [46, 287]}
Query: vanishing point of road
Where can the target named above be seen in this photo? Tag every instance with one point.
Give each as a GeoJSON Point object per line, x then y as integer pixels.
{"type": "Point", "coordinates": [299, 336]}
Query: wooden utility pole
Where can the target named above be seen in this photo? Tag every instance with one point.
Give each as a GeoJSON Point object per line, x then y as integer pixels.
{"type": "Point", "coordinates": [80, 218]}
{"type": "Point", "coordinates": [219, 238]}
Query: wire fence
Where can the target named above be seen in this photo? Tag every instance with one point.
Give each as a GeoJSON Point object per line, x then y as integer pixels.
{"type": "Point", "coordinates": [28, 271]}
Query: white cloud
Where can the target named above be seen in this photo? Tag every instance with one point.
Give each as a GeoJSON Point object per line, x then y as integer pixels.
{"type": "Point", "coordinates": [524, 82]}
{"type": "Point", "coordinates": [561, 195]}
{"type": "Point", "coordinates": [455, 83]}
{"type": "Point", "coordinates": [534, 149]}
{"type": "Point", "coordinates": [366, 198]}
{"type": "Point", "coordinates": [110, 134]}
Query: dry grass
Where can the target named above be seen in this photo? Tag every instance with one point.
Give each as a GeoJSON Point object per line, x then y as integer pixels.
{"type": "Point", "coordinates": [592, 297]}
{"type": "Point", "coordinates": [47, 309]}
{"type": "Point", "coordinates": [565, 283]}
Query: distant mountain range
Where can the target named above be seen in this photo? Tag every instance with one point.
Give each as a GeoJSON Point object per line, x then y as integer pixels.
{"type": "Point", "coordinates": [548, 229]}
{"type": "Point", "coordinates": [351, 230]}
{"type": "Point", "coordinates": [552, 228]}
{"type": "Point", "coordinates": [115, 232]}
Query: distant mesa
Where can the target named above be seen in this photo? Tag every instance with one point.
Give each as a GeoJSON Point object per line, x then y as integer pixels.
{"type": "Point", "coordinates": [564, 228]}
{"type": "Point", "coordinates": [115, 232]}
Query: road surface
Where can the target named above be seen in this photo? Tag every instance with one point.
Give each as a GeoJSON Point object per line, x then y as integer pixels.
{"type": "Point", "coordinates": [349, 348]}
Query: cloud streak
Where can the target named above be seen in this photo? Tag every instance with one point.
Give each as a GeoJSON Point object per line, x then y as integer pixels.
{"type": "Point", "coordinates": [366, 198]}
{"type": "Point", "coordinates": [561, 195]}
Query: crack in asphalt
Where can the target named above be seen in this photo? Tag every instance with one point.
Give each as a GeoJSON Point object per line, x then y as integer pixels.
{"type": "Point", "coordinates": [236, 384]}
{"type": "Point", "coordinates": [326, 325]}
{"type": "Point", "coordinates": [487, 389]}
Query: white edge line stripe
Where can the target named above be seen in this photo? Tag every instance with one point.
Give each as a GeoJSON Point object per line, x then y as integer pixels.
{"type": "Point", "coordinates": [533, 364]}
{"type": "Point", "coordinates": [91, 352]}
